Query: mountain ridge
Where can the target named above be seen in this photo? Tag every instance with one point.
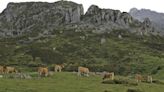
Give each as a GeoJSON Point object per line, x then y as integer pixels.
{"type": "Point", "coordinates": [38, 17]}
{"type": "Point", "coordinates": [155, 17]}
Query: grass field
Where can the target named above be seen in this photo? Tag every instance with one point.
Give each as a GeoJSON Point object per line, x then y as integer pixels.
{"type": "Point", "coordinates": [69, 82]}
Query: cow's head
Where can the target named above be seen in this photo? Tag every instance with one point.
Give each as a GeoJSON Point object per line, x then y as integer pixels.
{"type": "Point", "coordinates": [63, 65]}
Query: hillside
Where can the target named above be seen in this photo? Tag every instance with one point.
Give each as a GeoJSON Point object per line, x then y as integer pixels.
{"type": "Point", "coordinates": [101, 39]}
{"type": "Point", "coordinates": [129, 53]}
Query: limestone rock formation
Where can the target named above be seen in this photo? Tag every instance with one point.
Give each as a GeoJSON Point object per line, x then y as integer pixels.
{"type": "Point", "coordinates": [157, 19]}
{"type": "Point", "coordinates": [36, 19]}
{"type": "Point", "coordinates": [19, 18]}
{"type": "Point", "coordinates": [102, 16]}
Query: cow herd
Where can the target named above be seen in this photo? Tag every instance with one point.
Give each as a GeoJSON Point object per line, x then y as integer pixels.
{"type": "Point", "coordinates": [43, 71]}
{"type": "Point", "coordinates": [82, 71]}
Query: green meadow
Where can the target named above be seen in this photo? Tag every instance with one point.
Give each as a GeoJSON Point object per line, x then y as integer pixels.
{"type": "Point", "coordinates": [70, 82]}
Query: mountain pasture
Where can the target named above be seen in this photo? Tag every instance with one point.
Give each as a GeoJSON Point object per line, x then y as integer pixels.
{"type": "Point", "coordinates": [70, 82]}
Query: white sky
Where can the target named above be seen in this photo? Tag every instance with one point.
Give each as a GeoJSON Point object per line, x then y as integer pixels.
{"type": "Point", "coordinates": [123, 5]}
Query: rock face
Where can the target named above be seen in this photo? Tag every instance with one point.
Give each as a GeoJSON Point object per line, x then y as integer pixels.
{"type": "Point", "coordinates": [22, 17]}
{"type": "Point", "coordinates": [40, 18]}
{"type": "Point", "coordinates": [147, 26]}
{"type": "Point", "coordinates": [102, 16]}
{"type": "Point", "coordinates": [108, 19]}
{"type": "Point", "coordinates": [157, 19]}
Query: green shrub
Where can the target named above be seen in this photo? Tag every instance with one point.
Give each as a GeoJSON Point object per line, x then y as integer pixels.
{"type": "Point", "coordinates": [158, 82]}
{"type": "Point", "coordinates": [107, 91]}
{"type": "Point", "coordinates": [121, 81]}
{"type": "Point", "coordinates": [134, 90]}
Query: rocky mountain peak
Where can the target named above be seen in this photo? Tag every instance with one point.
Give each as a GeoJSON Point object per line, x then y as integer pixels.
{"type": "Point", "coordinates": [93, 9]}
{"type": "Point", "coordinates": [100, 16]}
{"type": "Point", "coordinates": [42, 17]}
{"type": "Point", "coordinates": [18, 18]}
{"type": "Point", "coordinates": [157, 19]}
{"type": "Point", "coordinates": [147, 22]}
{"type": "Point", "coordinates": [133, 10]}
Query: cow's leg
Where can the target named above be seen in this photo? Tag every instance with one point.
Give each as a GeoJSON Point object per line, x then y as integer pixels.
{"type": "Point", "coordinates": [79, 73]}
{"type": "Point", "coordinates": [112, 77]}
{"type": "Point", "coordinates": [56, 70]}
{"type": "Point", "coordinates": [8, 71]}
{"type": "Point", "coordinates": [0, 72]}
{"type": "Point", "coordinates": [59, 70]}
{"type": "Point", "coordinates": [149, 79]}
{"type": "Point", "coordinates": [103, 78]}
{"type": "Point", "coordinates": [46, 74]}
{"type": "Point", "coordinates": [87, 75]}
{"type": "Point", "coordinates": [137, 80]}
{"type": "Point", "coordinates": [39, 74]}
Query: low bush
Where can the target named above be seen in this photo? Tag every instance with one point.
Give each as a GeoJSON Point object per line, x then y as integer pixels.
{"type": "Point", "coordinates": [158, 82]}
{"type": "Point", "coordinates": [107, 91]}
{"type": "Point", "coordinates": [134, 90]}
{"type": "Point", "coordinates": [121, 81]}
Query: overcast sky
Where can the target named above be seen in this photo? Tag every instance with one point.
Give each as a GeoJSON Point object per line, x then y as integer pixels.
{"type": "Point", "coordinates": [123, 5]}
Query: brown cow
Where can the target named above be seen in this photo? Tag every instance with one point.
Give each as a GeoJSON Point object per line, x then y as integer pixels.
{"type": "Point", "coordinates": [147, 78]}
{"type": "Point", "coordinates": [8, 69]}
{"type": "Point", "coordinates": [43, 71]}
{"type": "Point", "coordinates": [58, 68]}
{"type": "Point", "coordinates": [83, 71]}
{"type": "Point", "coordinates": [140, 78]}
{"type": "Point", "coordinates": [109, 76]}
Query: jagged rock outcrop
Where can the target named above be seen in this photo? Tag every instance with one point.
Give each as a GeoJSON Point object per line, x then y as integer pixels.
{"type": "Point", "coordinates": [37, 16]}
{"type": "Point", "coordinates": [147, 27]}
{"type": "Point", "coordinates": [108, 20]}
{"type": "Point", "coordinates": [96, 15]}
{"type": "Point", "coordinates": [157, 19]}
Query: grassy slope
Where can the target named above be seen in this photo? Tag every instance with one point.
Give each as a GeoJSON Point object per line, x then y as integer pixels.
{"type": "Point", "coordinates": [129, 55]}
{"type": "Point", "coordinates": [68, 82]}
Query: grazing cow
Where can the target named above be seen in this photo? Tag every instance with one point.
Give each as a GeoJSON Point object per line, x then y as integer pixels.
{"type": "Point", "coordinates": [109, 76]}
{"type": "Point", "coordinates": [8, 69]}
{"type": "Point", "coordinates": [1, 69]}
{"type": "Point", "coordinates": [83, 71]}
{"type": "Point", "coordinates": [147, 78]}
{"type": "Point", "coordinates": [138, 77]}
{"type": "Point", "coordinates": [141, 78]}
{"type": "Point", "coordinates": [43, 71]}
{"type": "Point", "coordinates": [58, 68]}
